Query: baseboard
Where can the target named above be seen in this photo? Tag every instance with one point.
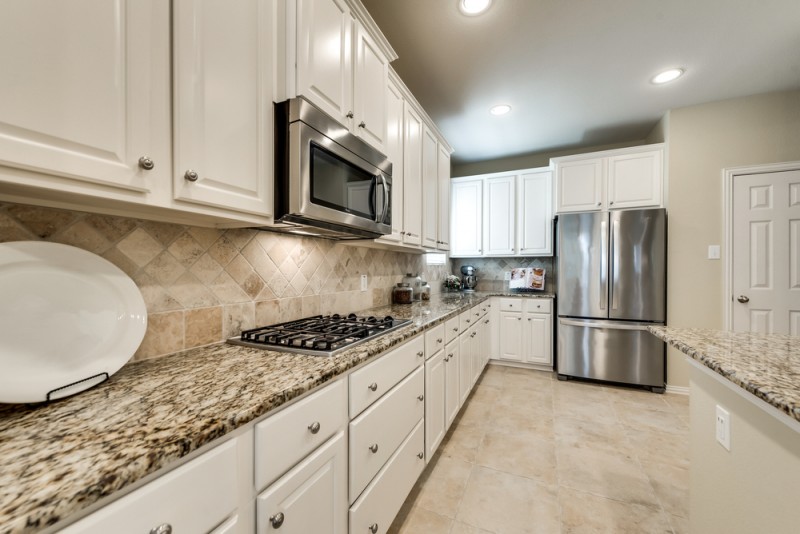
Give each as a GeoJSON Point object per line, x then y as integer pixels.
{"type": "Point", "coordinates": [678, 390]}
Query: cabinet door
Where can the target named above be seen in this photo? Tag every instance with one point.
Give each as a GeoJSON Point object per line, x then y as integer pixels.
{"type": "Point", "coordinates": [452, 393]}
{"type": "Point", "coordinates": [85, 95]}
{"type": "Point", "coordinates": [369, 98]}
{"type": "Point", "coordinates": [499, 208]}
{"type": "Point", "coordinates": [535, 214]}
{"type": "Point", "coordinates": [223, 103]}
{"type": "Point", "coordinates": [434, 403]}
{"type": "Point", "coordinates": [412, 177]}
{"type": "Point", "coordinates": [324, 55]}
{"type": "Point", "coordinates": [394, 151]}
{"type": "Point", "coordinates": [538, 334]}
{"type": "Point", "coordinates": [312, 497]}
{"type": "Point", "coordinates": [580, 185]}
{"type": "Point", "coordinates": [430, 188]}
{"type": "Point", "coordinates": [635, 180]}
{"type": "Point", "coordinates": [444, 198]}
{"type": "Point", "coordinates": [511, 336]}
{"type": "Point", "coordinates": [466, 218]}
{"type": "Point", "coordinates": [477, 351]}
{"type": "Point", "coordinates": [465, 366]}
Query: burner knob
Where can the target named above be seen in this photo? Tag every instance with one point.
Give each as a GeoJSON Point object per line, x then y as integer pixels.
{"type": "Point", "coordinates": [388, 319]}
{"type": "Point", "coordinates": [352, 316]}
{"type": "Point", "coordinates": [371, 319]}
{"type": "Point", "coordinates": [336, 316]}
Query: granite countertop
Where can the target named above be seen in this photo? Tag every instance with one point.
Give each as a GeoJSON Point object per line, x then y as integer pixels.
{"type": "Point", "coordinates": [57, 459]}
{"type": "Point", "coordinates": [766, 365]}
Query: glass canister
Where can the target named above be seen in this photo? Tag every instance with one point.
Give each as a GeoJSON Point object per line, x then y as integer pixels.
{"type": "Point", "coordinates": [402, 294]}
{"type": "Point", "coordinates": [414, 281]}
{"type": "Point", "coordinates": [424, 290]}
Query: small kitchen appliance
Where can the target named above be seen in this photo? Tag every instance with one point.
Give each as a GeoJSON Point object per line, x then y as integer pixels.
{"type": "Point", "coordinates": [321, 335]}
{"type": "Point", "coordinates": [469, 280]}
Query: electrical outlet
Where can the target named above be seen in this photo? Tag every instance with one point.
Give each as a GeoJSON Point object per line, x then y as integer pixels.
{"type": "Point", "coordinates": [723, 427]}
{"type": "Point", "coordinates": [363, 282]}
{"type": "Point", "coordinates": [713, 252]}
{"type": "Point", "coordinates": [507, 276]}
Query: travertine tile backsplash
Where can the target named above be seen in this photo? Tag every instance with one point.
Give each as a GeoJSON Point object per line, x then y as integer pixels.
{"type": "Point", "coordinates": [203, 285]}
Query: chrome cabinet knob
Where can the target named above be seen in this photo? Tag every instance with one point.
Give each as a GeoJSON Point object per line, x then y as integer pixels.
{"type": "Point", "coordinates": [277, 520]}
{"type": "Point", "coordinates": [314, 427]}
{"type": "Point", "coordinates": [420, 455]}
{"type": "Point", "coordinates": [611, 203]}
{"type": "Point", "coordinates": [529, 318]}
{"type": "Point", "coordinates": [438, 340]}
{"type": "Point", "coordinates": [519, 318]}
{"type": "Point", "coordinates": [362, 124]}
{"type": "Point", "coordinates": [373, 528]}
{"type": "Point", "coordinates": [349, 114]}
{"type": "Point", "coordinates": [599, 204]}
{"type": "Point", "coordinates": [373, 386]}
{"type": "Point", "coordinates": [743, 299]}
{"type": "Point", "coordinates": [420, 354]}
{"type": "Point", "coordinates": [455, 329]}
{"type": "Point", "coordinates": [487, 321]}
{"type": "Point", "coordinates": [165, 528]}
{"type": "Point", "coordinates": [191, 175]}
{"type": "Point", "coordinates": [147, 164]}
{"type": "Point", "coordinates": [421, 398]}
{"type": "Point", "coordinates": [373, 448]}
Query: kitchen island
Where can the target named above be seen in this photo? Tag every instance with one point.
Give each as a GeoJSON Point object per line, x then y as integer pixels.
{"type": "Point", "coordinates": [63, 459]}
{"type": "Point", "coordinates": [747, 478]}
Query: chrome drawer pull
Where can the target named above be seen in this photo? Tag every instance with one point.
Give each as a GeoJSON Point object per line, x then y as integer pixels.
{"type": "Point", "coordinates": [314, 427]}
{"type": "Point", "coordinates": [165, 528]}
{"type": "Point", "coordinates": [277, 520]}
{"type": "Point", "coordinates": [373, 386]}
{"type": "Point", "coordinates": [420, 455]}
{"type": "Point", "coordinates": [421, 398]}
{"type": "Point", "coordinates": [374, 448]}
{"type": "Point", "coordinates": [420, 354]}
{"type": "Point", "coordinates": [147, 164]}
{"type": "Point", "coordinates": [373, 528]}
{"type": "Point", "coordinates": [438, 340]}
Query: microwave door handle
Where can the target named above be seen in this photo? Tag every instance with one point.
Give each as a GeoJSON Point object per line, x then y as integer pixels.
{"type": "Point", "coordinates": [373, 193]}
{"type": "Point", "coordinates": [385, 198]}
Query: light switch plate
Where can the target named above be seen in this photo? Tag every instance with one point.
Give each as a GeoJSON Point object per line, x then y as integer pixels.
{"type": "Point", "coordinates": [363, 282]}
{"type": "Point", "coordinates": [723, 427]}
{"type": "Point", "coordinates": [713, 252]}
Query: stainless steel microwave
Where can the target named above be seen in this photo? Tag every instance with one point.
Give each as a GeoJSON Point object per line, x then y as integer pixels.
{"type": "Point", "coordinates": [328, 182]}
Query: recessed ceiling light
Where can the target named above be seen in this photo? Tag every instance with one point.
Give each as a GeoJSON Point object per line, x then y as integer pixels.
{"type": "Point", "coordinates": [667, 76]}
{"type": "Point", "coordinates": [473, 7]}
{"type": "Point", "coordinates": [501, 109]}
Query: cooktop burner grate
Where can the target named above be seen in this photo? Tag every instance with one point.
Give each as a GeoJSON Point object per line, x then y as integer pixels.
{"type": "Point", "coordinates": [323, 335]}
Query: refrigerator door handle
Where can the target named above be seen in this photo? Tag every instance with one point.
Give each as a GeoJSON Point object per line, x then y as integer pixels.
{"type": "Point", "coordinates": [603, 266]}
{"type": "Point", "coordinates": [603, 324]}
{"type": "Point", "coordinates": [615, 263]}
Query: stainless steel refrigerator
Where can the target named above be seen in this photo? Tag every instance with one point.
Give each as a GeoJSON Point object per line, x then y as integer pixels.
{"type": "Point", "coordinates": [611, 285]}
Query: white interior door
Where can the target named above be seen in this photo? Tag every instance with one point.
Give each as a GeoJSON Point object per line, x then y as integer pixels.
{"type": "Point", "coordinates": [766, 253]}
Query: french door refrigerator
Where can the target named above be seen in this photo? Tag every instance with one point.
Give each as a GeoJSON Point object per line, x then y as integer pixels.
{"type": "Point", "coordinates": [611, 286]}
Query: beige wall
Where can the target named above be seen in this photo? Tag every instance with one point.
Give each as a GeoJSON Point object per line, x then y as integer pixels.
{"type": "Point", "coordinates": [752, 488]}
{"type": "Point", "coordinates": [702, 141]}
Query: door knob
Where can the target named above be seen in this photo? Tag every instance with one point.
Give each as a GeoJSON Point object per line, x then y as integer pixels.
{"type": "Point", "coordinates": [743, 299]}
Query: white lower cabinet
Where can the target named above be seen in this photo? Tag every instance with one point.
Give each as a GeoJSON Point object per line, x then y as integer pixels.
{"type": "Point", "coordinates": [311, 497]}
{"type": "Point", "coordinates": [452, 394]}
{"type": "Point", "coordinates": [435, 395]}
{"type": "Point", "coordinates": [377, 507]}
{"type": "Point", "coordinates": [525, 332]}
{"type": "Point", "coordinates": [465, 364]}
{"type": "Point", "coordinates": [200, 496]}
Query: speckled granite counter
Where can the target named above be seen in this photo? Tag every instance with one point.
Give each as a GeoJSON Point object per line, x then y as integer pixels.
{"type": "Point", "coordinates": [768, 366]}
{"type": "Point", "coordinates": [58, 459]}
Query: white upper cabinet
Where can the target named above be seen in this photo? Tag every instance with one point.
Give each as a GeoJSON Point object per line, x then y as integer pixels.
{"type": "Point", "coordinates": [430, 188]}
{"type": "Point", "coordinates": [324, 56]}
{"type": "Point", "coordinates": [466, 217]}
{"type": "Point", "coordinates": [444, 198]}
{"type": "Point", "coordinates": [535, 213]}
{"type": "Point", "coordinates": [615, 179]}
{"type": "Point", "coordinates": [394, 151]}
{"type": "Point", "coordinates": [498, 216]}
{"type": "Point", "coordinates": [412, 177]}
{"type": "Point", "coordinates": [369, 103]}
{"type": "Point", "coordinates": [85, 96]}
{"type": "Point", "coordinates": [223, 104]}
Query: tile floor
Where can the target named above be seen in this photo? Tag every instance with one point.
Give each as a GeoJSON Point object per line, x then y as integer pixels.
{"type": "Point", "coordinates": [529, 453]}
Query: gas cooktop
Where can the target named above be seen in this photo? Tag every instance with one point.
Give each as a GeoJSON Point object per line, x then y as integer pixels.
{"type": "Point", "coordinates": [321, 335]}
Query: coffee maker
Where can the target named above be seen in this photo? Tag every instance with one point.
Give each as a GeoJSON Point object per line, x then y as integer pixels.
{"type": "Point", "coordinates": [469, 280]}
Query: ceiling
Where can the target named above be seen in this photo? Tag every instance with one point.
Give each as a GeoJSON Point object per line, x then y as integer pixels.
{"type": "Point", "coordinates": [577, 73]}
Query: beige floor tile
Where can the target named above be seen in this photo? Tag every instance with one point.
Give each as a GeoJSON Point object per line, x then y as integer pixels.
{"type": "Point", "coordinates": [474, 414]}
{"type": "Point", "coordinates": [492, 376]}
{"type": "Point", "coordinates": [671, 485]}
{"type": "Point", "coordinates": [508, 504]}
{"type": "Point", "coordinates": [605, 473]}
{"type": "Point", "coordinates": [580, 389]}
{"type": "Point", "coordinates": [485, 394]}
{"type": "Point", "coordinates": [639, 417]}
{"type": "Point", "coordinates": [640, 397]}
{"type": "Point", "coordinates": [463, 442]}
{"type": "Point", "coordinates": [463, 528]}
{"type": "Point", "coordinates": [678, 402]}
{"type": "Point", "coordinates": [527, 379]}
{"type": "Point", "coordinates": [680, 525]}
{"type": "Point", "coordinates": [586, 513]}
{"type": "Point", "coordinates": [578, 433]}
{"type": "Point", "coordinates": [511, 419]}
{"type": "Point", "coordinates": [522, 453]}
{"type": "Point", "coordinates": [598, 409]}
{"type": "Point", "coordinates": [537, 399]}
{"type": "Point", "coordinates": [444, 487]}
{"type": "Point", "coordinates": [422, 521]}
{"type": "Point", "coordinates": [656, 446]}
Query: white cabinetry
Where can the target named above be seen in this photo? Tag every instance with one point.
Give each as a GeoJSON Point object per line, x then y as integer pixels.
{"type": "Point", "coordinates": [223, 77]}
{"type": "Point", "coordinates": [394, 151]}
{"type": "Point", "coordinates": [614, 179]}
{"type": "Point", "coordinates": [84, 107]}
{"type": "Point", "coordinates": [443, 243]}
{"type": "Point", "coordinates": [466, 216]}
{"type": "Point", "coordinates": [452, 396]}
{"type": "Point", "coordinates": [412, 177]}
{"type": "Point", "coordinates": [435, 395]}
{"type": "Point", "coordinates": [369, 100]}
{"type": "Point", "coordinates": [515, 210]}
{"type": "Point", "coordinates": [525, 332]}
{"type": "Point", "coordinates": [430, 189]}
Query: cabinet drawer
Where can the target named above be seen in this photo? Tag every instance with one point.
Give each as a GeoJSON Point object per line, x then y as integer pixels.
{"type": "Point", "coordinates": [434, 340]}
{"type": "Point", "coordinates": [384, 426]}
{"type": "Point", "coordinates": [465, 320]}
{"type": "Point", "coordinates": [288, 436]}
{"type": "Point", "coordinates": [451, 329]}
{"type": "Point", "coordinates": [538, 305]}
{"type": "Point", "coordinates": [382, 499]}
{"type": "Point", "coordinates": [368, 384]}
{"type": "Point", "coordinates": [484, 307]}
{"type": "Point", "coordinates": [196, 497]}
{"type": "Point", "coordinates": [511, 305]}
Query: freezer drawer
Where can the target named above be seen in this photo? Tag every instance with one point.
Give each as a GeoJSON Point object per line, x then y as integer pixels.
{"type": "Point", "coordinates": [610, 350]}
